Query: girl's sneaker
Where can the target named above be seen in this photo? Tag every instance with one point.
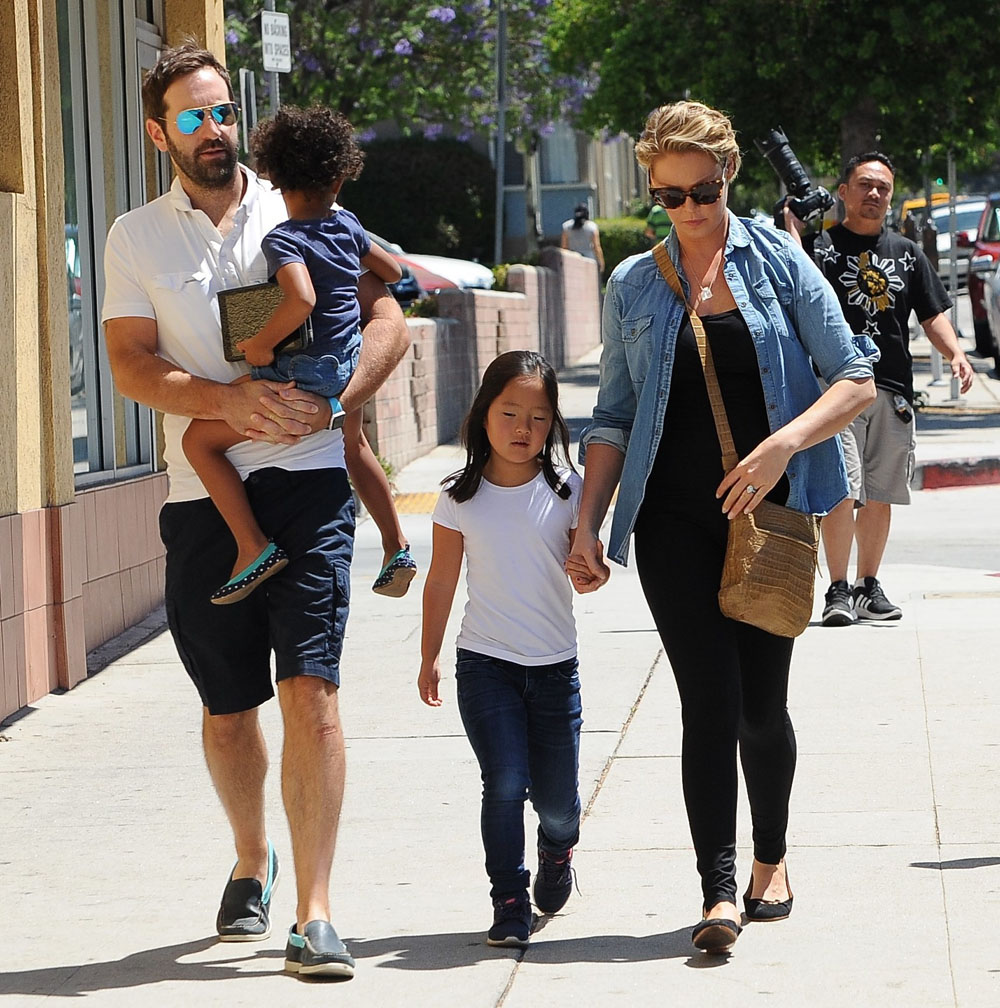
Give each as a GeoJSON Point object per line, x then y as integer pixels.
{"type": "Point", "coordinates": [513, 921]}
{"type": "Point", "coordinates": [554, 881]}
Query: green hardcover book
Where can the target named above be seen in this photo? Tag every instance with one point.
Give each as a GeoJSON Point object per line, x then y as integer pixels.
{"type": "Point", "coordinates": [242, 312]}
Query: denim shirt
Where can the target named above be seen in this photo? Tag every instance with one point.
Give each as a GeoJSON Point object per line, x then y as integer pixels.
{"type": "Point", "coordinates": [794, 320]}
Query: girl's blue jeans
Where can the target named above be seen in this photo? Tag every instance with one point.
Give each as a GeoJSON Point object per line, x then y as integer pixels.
{"type": "Point", "coordinates": [524, 725]}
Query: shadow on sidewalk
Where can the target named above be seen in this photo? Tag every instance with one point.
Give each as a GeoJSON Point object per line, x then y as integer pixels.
{"type": "Point", "coordinates": [408, 952]}
{"type": "Point", "coordinates": [580, 376]}
{"type": "Point", "coordinates": [969, 862]}
{"type": "Point", "coordinates": [448, 951]}
{"type": "Point", "coordinates": [150, 966]}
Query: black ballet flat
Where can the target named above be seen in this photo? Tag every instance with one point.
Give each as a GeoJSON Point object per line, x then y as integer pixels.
{"type": "Point", "coordinates": [715, 935]}
{"type": "Point", "coordinates": [767, 910]}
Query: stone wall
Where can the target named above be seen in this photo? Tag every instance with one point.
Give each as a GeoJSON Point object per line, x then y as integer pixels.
{"type": "Point", "coordinates": [554, 309]}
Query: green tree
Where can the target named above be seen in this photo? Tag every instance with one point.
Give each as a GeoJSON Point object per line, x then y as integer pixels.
{"type": "Point", "coordinates": [442, 202]}
{"type": "Point", "coordinates": [427, 66]}
{"type": "Point", "coordinates": [839, 75]}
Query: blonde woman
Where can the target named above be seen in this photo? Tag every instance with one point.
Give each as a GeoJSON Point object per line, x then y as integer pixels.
{"type": "Point", "coordinates": [766, 311]}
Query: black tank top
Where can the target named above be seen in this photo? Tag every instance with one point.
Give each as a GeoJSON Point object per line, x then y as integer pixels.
{"type": "Point", "coordinates": [688, 464]}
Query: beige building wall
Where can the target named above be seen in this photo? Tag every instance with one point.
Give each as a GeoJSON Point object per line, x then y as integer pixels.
{"type": "Point", "coordinates": [76, 568]}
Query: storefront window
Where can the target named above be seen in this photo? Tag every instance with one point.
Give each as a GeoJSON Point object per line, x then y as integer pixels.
{"type": "Point", "coordinates": [74, 271]}
{"type": "Point", "coordinates": [101, 59]}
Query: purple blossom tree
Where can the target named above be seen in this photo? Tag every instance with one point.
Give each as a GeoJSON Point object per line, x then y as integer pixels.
{"type": "Point", "coordinates": [417, 63]}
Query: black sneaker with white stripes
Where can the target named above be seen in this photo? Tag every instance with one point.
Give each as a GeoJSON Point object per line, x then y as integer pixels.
{"type": "Point", "coordinates": [870, 602]}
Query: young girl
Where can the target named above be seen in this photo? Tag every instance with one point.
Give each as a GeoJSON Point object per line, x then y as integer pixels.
{"type": "Point", "coordinates": [512, 512]}
{"type": "Point", "coordinates": [316, 256]}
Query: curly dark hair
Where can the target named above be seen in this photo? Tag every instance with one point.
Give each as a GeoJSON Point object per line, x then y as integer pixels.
{"type": "Point", "coordinates": [306, 149]}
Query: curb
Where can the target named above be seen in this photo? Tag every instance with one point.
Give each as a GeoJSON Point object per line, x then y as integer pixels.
{"type": "Point", "coordinates": [956, 473]}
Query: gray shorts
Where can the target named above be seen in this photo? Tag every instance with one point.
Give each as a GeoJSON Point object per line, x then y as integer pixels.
{"type": "Point", "coordinates": [879, 453]}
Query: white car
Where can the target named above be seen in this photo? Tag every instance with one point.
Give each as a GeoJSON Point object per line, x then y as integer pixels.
{"type": "Point", "coordinates": [435, 272]}
{"type": "Point", "coordinates": [967, 215]}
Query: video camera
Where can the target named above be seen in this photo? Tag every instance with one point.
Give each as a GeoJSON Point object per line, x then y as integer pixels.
{"type": "Point", "coordinates": [805, 201]}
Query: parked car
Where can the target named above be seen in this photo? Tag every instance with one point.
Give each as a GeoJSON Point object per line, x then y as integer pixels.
{"type": "Point", "coordinates": [435, 273]}
{"type": "Point", "coordinates": [991, 300]}
{"type": "Point", "coordinates": [407, 288]}
{"type": "Point", "coordinates": [985, 255]}
{"type": "Point", "coordinates": [916, 206]}
{"type": "Point", "coordinates": [968, 213]}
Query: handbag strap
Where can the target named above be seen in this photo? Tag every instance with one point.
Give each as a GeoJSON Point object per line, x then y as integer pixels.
{"type": "Point", "coordinates": [729, 456]}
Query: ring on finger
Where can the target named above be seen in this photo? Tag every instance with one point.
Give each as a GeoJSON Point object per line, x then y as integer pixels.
{"type": "Point", "coordinates": [751, 489]}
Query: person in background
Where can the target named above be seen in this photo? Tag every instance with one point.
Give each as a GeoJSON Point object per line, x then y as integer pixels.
{"type": "Point", "coordinates": [657, 223]}
{"type": "Point", "coordinates": [880, 277]}
{"type": "Point", "coordinates": [581, 234]}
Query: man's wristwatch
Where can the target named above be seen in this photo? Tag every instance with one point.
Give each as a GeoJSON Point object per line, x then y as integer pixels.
{"type": "Point", "coordinates": [337, 414]}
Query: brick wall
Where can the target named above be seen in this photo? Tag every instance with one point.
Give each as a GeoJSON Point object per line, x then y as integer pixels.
{"type": "Point", "coordinates": [578, 298]}
{"type": "Point", "coordinates": [553, 308]}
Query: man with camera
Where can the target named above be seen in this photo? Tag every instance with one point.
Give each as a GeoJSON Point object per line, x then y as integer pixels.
{"type": "Point", "coordinates": [879, 277]}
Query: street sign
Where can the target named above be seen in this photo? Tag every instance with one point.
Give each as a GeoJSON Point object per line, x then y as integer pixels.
{"type": "Point", "coordinates": [276, 43]}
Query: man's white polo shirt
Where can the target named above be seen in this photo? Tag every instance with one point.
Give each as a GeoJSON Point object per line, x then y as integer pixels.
{"type": "Point", "coordinates": [167, 261]}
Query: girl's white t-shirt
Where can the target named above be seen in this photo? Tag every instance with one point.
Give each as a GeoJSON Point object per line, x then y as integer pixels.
{"type": "Point", "coordinates": [516, 542]}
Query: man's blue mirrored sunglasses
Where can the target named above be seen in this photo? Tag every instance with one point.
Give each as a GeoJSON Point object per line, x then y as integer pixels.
{"type": "Point", "coordinates": [190, 119]}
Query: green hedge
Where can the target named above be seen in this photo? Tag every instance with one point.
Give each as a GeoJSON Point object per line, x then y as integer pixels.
{"type": "Point", "coordinates": [430, 196]}
{"type": "Point", "coordinates": [621, 237]}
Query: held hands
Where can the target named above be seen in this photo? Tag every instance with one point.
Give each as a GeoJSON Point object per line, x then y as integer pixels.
{"type": "Point", "coordinates": [255, 353]}
{"type": "Point", "coordinates": [428, 682]}
{"type": "Point", "coordinates": [585, 564]}
{"type": "Point", "coordinates": [272, 412]}
{"type": "Point", "coordinates": [748, 483]}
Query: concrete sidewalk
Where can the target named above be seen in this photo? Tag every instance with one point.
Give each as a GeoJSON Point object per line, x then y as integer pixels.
{"type": "Point", "coordinates": [114, 851]}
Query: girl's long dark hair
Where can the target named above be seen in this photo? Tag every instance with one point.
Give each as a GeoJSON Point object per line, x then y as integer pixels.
{"type": "Point", "coordinates": [580, 214]}
{"type": "Point", "coordinates": [463, 484]}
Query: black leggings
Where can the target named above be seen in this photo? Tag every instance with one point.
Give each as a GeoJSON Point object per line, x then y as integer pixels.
{"type": "Point", "coordinates": [733, 685]}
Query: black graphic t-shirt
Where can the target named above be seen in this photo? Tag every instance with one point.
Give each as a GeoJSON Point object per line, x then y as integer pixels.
{"type": "Point", "coordinates": [879, 280]}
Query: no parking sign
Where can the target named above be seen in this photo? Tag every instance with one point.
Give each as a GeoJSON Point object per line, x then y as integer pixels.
{"type": "Point", "coordinates": [276, 43]}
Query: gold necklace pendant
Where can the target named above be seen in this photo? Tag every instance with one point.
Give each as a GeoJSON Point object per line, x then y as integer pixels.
{"type": "Point", "coordinates": [706, 294]}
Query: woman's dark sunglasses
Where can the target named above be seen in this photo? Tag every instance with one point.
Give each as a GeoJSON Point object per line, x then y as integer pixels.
{"type": "Point", "coordinates": [225, 114]}
{"type": "Point", "coordinates": [704, 194]}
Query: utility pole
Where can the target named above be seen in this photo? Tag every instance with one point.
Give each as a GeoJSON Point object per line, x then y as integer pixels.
{"type": "Point", "coordinates": [501, 129]}
{"type": "Point", "coordinates": [272, 76]}
{"type": "Point", "coordinates": [952, 186]}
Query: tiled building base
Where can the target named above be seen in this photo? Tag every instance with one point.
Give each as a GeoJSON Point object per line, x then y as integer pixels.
{"type": "Point", "coordinates": [72, 577]}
